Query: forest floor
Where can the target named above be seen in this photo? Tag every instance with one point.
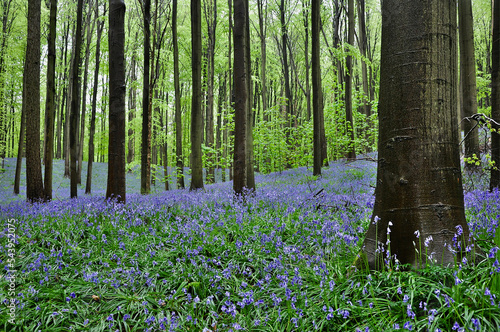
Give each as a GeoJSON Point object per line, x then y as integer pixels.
{"type": "Point", "coordinates": [205, 261]}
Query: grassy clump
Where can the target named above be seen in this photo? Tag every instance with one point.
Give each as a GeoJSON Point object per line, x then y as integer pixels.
{"type": "Point", "coordinates": [205, 261]}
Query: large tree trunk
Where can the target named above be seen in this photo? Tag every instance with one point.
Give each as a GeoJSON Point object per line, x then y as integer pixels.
{"type": "Point", "coordinates": [495, 97]}
{"type": "Point", "coordinates": [316, 83]}
{"type": "Point", "coordinates": [75, 100]}
{"type": "Point", "coordinates": [146, 106]}
{"type": "Point", "coordinates": [468, 79]}
{"type": "Point", "coordinates": [196, 110]}
{"type": "Point", "coordinates": [100, 25]}
{"type": "Point", "coordinates": [117, 89]}
{"type": "Point", "coordinates": [34, 181]}
{"type": "Point", "coordinates": [50, 104]}
{"type": "Point", "coordinates": [351, 153]}
{"type": "Point", "coordinates": [178, 110]}
{"type": "Point", "coordinates": [419, 182]}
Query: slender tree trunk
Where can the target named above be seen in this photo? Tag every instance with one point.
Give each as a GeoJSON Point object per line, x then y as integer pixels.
{"type": "Point", "coordinates": [351, 154]}
{"type": "Point", "coordinates": [178, 111]}
{"type": "Point", "coordinates": [100, 25]}
{"type": "Point", "coordinates": [196, 111]}
{"type": "Point", "coordinates": [117, 89]}
{"type": "Point", "coordinates": [21, 142]}
{"type": "Point", "coordinates": [495, 97]}
{"type": "Point", "coordinates": [146, 106]}
{"type": "Point", "coordinates": [286, 74]}
{"type": "Point", "coordinates": [305, 12]}
{"type": "Point", "coordinates": [132, 107]}
{"type": "Point", "coordinates": [73, 132]}
{"type": "Point", "coordinates": [468, 78]}
{"type": "Point", "coordinates": [262, 10]}
{"type": "Point", "coordinates": [316, 83]}
{"type": "Point", "coordinates": [418, 140]}
{"type": "Point", "coordinates": [50, 104]}
{"type": "Point", "coordinates": [90, 34]}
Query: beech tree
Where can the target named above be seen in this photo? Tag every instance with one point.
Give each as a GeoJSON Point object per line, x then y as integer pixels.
{"type": "Point", "coordinates": [34, 182]}
{"type": "Point", "coordinates": [196, 110]}
{"type": "Point", "coordinates": [419, 181]}
{"type": "Point", "coordinates": [495, 97]}
{"type": "Point", "coordinates": [146, 104]}
{"type": "Point", "coordinates": [316, 83]}
{"type": "Point", "coordinates": [117, 90]}
{"type": "Point", "coordinates": [50, 103]}
{"type": "Point", "coordinates": [178, 110]}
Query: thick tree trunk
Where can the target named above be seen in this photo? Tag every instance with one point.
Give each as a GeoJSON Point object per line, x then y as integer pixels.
{"type": "Point", "coordinates": [196, 110]}
{"type": "Point", "coordinates": [495, 97]}
{"type": "Point", "coordinates": [34, 181]}
{"type": "Point", "coordinates": [241, 97]}
{"type": "Point", "coordinates": [117, 89]}
{"type": "Point", "coordinates": [50, 104]}
{"type": "Point", "coordinates": [250, 113]}
{"type": "Point", "coordinates": [419, 182]}
{"type": "Point", "coordinates": [100, 25]}
{"type": "Point", "coordinates": [468, 79]}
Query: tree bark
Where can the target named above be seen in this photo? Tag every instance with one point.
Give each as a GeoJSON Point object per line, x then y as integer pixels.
{"type": "Point", "coordinates": [262, 11]}
{"type": "Point", "coordinates": [351, 153]}
{"type": "Point", "coordinates": [50, 104]}
{"type": "Point", "coordinates": [316, 84]}
{"type": "Point", "coordinates": [286, 75]}
{"type": "Point", "coordinates": [117, 89]}
{"type": "Point", "coordinates": [34, 181]}
{"type": "Point", "coordinates": [22, 138]}
{"type": "Point", "coordinates": [468, 79]}
{"type": "Point", "coordinates": [196, 110]}
{"type": "Point", "coordinates": [240, 77]}
{"type": "Point", "coordinates": [100, 25]}
{"type": "Point", "coordinates": [178, 111]}
{"type": "Point", "coordinates": [75, 100]}
{"type": "Point", "coordinates": [419, 181]}
{"type": "Point", "coordinates": [495, 97]}
{"type": "Point", "coordinates": [146, 105]}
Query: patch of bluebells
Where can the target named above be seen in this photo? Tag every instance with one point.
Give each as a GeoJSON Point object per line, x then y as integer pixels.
{"type": "Point", "coordinates": [270, 259]}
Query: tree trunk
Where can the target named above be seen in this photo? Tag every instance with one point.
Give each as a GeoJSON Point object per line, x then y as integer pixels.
{"type": "Point", "coordinates": [50, 104]}
{"type": "Point", "coordinates": [419, 182]}
{"type": "Point", "coordinates": [117, 89]}
{"type": "Point", "coordinates": [21, 142]}
{"type": "Point", "coordinates": [100, 25]}
{"type": "Point", "coordinates": [241, 97]}
{"type": "Point", "coordinates": [196, 110]}
{"type": "Point", "coordinates": [178, 110]}
{"type": "Point", "coordinates": [263, 61]}
{"type": "Point", "coordinates": [468, 79]}
{"type": "Point", "coordinates": [34, 182]}
{"type": "Point", "coordinates": [132, 108]}
{"type": "Point", "coordinates": [351, 153]}
{"type": "Point", "coordinates": [75, 100]}
{"type": "Point", "coordinates": [250, 113]}
{"type": "Point", "coordinates": [90, 34]}
{"type": "Point", "coordinates": [286, 74]}
{"type": "Point", "coordinates": [316, 83]}
{"type": "Point", "coordinates": [495, 97]}
{"type": "Point", "coordinates": [146, 106]}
